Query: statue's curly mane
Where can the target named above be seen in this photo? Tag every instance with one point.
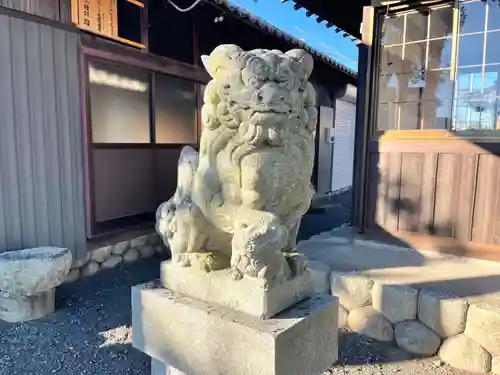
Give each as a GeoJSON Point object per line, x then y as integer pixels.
{"type": "Point", "coordinates": [250, 184]}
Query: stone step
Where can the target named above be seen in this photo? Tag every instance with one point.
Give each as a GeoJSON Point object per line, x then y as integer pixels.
{"type": "Point", "coordinates": [426, 304]}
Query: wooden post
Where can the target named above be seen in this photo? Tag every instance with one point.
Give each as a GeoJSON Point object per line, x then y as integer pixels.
{"type": "Point", "coordinates": [363, 116]}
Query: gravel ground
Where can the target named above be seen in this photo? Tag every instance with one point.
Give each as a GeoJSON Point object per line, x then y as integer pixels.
{"type": "Point", "coordinates": [90, 334]}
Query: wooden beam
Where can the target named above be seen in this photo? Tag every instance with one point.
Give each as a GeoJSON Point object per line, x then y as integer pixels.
{"type": "Point", "coordinates": [363, 118]}
{"type": "Point", "coordinates": [106, 50]}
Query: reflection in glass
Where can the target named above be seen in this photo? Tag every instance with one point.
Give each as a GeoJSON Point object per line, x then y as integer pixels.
{"type": "Point", "coordinates": [389, 92]}
{"type": "Point", "coordinates": [493, 48]}
{"type": "Point", "coordinates": [470, 50]}
{"type": "Point", "coordinates": [410, 115]}
{"type": "Point", "coordinates": [393, 31]}
{"type": "Point", "coordinates": [476, 100]}
{"type": "Point", "coordinates": [414, 58]}
{"type": "Point", "coordinates": [388, 88]}
{"type": "Point", "coordinates": [390, 60]}
{"type": "Point", "coordinates": [387, 117]}
{"type": "Point", "coordinates": [472, 17]}
{"type": "Point", "coordinates": [440, 54]}
{"type": "Point", "coordinates": [175, 110]}
{"type": "Point", "coordinates": [119, 103]}
{"type": "Point", "coordinates": [416, 27]}
{"type": "Point", "coordinates": [438, 100]}
{"type": "Point", "coordinates": [493, 15]}
{"type": "Point", "coordinates": [441, 23]}
{"type": "Point", "coordinates": [415, 86]}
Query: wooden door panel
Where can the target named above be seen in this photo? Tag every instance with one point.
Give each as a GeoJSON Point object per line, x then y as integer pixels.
{"type": "Point", "coordinates": [428, 199]}
{"type": "Point", "coordinates": [410, 201]}
{"type": "Point", "coordinates": [446, 202]}
{"type": "Point", "coordinates": [446, 189]}
{"type": "Point", "coordinates": [486, 210]}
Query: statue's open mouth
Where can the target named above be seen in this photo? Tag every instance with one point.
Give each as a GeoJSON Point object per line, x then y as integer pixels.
{"type": "Point", "coordinates": [279, 108]}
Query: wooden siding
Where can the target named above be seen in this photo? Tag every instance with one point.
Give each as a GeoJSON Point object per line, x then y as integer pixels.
{"type": "Point", "coordinates": [41, 168]}
{"type": "Point", "coordinates": [436, 188]}
{"type": "Point", "coordinates": [56, 10]}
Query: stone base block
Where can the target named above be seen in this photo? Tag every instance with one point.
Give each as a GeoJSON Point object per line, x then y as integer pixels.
{"type": "Point", "coordinates": [14, 309]}
{"type": "Point", "coordinates": [247, 295]}
{"type": "Point", "coordinates": [199, 338]}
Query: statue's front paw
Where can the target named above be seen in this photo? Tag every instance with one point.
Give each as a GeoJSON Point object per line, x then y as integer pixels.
{"type": "Point", "coordinates": [208, 261]}
{"type": "Point", "coordinates": [181, 259]}
{"type": "Point", "coordinates": [236, 274]}
{"type": "Point", "coordinates": [297, 263]}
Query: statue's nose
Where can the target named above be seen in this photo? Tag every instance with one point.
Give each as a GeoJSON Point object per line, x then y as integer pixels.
{"type": "Point", "coordinates": [271, 93]}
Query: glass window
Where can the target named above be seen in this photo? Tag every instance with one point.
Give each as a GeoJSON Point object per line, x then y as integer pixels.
{"type": "Point", "coordinates": [476, 99]}
{"type": "Point", "coordinates": [416, 27]}
{"type": "Point", "coordinates": [492, 48]}
{"type": "Point", "coordinates": [415, 90]}
{"type": "Point", "coordinates": [472, 17]}
{"type": "Point", "coordinates": [470, 49]}
{"type": "Point", "coordinates": [441, 23]}
{"type": "Point", "coordinates": [440, 52]}
{"type": "Point", "coordinates": [119, 103]}
{"type": "Point", "coordinates": [493, 15]}
{"type": "Point", "coordinates": [393, 31]}
{"type": "Point", "coordinates": [391, 60]}
{"type": "Point", "coordinates": [415, 55]}
{"type": "Point", "coordinates": [416, 87]}
{"type": "Point", "coordinates": [175, 110]}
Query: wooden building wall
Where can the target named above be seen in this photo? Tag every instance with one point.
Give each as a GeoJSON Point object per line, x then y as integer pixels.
{"type": "Point", "coordinates": [41, 168]}
{"type": "Point", "coordinates": [56, 10]}
{"type": "Point", "coordinates": [443, 195]}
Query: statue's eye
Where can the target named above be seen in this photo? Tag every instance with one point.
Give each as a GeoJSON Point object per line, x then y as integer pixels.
{"type": "Point", "coordinates": [227, 87]}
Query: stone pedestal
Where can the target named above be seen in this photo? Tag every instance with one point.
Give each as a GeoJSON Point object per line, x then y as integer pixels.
{"type": "Point", "coordinates": [199, 338]}
{"type": "Point", "coordinates": [160, 368]}
{"type": "Point", "coordinates": [15, 309]}
{"type": "Point", "coordinates": [247, 295]}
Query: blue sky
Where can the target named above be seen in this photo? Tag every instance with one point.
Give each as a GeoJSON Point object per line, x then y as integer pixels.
{"type": "Point", "coordinates": [284, 17]}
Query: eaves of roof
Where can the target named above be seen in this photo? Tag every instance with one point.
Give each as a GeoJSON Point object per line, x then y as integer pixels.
{"type": "Point", "coordinates": [266, 26]}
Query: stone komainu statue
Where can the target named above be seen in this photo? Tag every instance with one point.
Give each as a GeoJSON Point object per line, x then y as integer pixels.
{"type": "Point", "coordinates": [239, 202]}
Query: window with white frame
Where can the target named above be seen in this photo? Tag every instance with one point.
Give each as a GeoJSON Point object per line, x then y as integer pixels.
{"type": "Point", "coordinates": [433, 75]}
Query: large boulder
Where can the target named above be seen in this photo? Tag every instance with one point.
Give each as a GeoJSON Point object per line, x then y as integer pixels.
{"type": "Point", "coordinates": [32, 271]}
{"type": "Point", "coordinates": [396, 302]}
{"type": "Point", "coordinates": [483, 326]}
{"type": "Point", "coordinates": [368, 321]}
{"type": "Point", "coordinates": [416, 338]}
{"type": "Point", "coordinates": [101, 254]}
{"type": "Point", "coordinates": [465, 354]}
{"type": "Point", "coordinates": [444, 314]}
{"type": "Point", "coordinates": [352, 289]}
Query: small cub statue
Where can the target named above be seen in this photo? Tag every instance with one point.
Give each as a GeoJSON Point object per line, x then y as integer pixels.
{"type": "Point", "coordinates": [239, 202]}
